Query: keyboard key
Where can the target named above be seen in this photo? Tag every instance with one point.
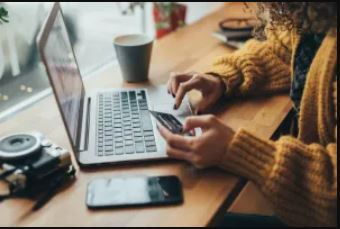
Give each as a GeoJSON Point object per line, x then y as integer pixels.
{"type": "Point", "coordinates": [108, 149]}
{"type": "Point", "coordinates": [118, 134]}
{"type": "Point", "coordinates": [138, 139]}
{"type": "Point", "coordinates": [136, 130]}
{"type": "Point", "coordinates": [129, 149]}
{"type": "Point", "coordinates": [150, 149]}
{"type": "Point", "coordinates": [108, 153]}
{"type": "Point", "coordinates": [109, 129]}
{"type": "Point", "coordinates": [140, 147]}
{"type": "Point", "coordinates": [119, 144]}
{"type": "Point", "coordinates": [149, 138]}
{"type": "Point", "coordinates": [132, 94]}
{"type": "Point", "coordinates": [152, 143]}
{"type": "Point", "coordinates": [109, 143]}
{"type": "Point", "coordinates": [138, 134]}
{"type": "Point", "coordinates": [119, 151]}
{"type": "Point", "coordinates": [148, 133]}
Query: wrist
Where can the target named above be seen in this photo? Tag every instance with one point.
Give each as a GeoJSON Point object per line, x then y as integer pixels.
{"type": "Point", "coordinates": [229, 138]}
{"type": "Point", "coordinates": [222, 86]}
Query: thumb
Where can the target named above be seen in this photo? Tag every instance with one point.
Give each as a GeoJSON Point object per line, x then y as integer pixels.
{"type": "Point", "coordinates": [193, 122]}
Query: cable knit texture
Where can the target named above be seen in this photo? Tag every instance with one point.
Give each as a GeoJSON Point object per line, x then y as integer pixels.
{"type": "Point", "coordinates": [298, 175]}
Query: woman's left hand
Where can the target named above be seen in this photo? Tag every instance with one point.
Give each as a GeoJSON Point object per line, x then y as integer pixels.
{"type": "Point", "coordinates": [202, 151]}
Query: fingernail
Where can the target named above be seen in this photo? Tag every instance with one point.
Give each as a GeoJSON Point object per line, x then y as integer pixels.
{"type": "Point", "coordinates": [175, 107]}
{"type": "Point", "coordinates": [173, 95]}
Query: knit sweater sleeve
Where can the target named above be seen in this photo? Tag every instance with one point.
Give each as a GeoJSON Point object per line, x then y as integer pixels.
{"type": "Point", "coordinates": [300, 180]}
{"type": "Point", "coordinates": [258, 67]}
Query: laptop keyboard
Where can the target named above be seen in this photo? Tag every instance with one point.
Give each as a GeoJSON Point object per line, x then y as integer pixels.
{"type": "Point", "coordinates": [124, 124]}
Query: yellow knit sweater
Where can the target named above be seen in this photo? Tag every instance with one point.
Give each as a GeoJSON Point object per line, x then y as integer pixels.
{"type": "Point", "coordinates": [298, 175]}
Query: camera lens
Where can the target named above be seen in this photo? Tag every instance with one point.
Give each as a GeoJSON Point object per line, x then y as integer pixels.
{"type": "Point", "coordinates": [17, 146]}
{"type": "Point", "coordinates": [16, 142]}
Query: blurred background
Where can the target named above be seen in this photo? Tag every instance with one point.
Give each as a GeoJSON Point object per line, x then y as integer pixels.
{"type": "Point", "coordinates": [92, 28]}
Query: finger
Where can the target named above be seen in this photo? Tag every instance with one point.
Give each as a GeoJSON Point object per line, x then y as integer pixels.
{"type": "Point", "coordinates": [172, 82]}
{"type": "Point", "coordinates": [175, 140]}
{"type": "Point", "coordinates": [168, 86]}
{"type": "Point", "coordinates": [177, 79]}
{"type": "Point", "coordinates": [172, 77]}
{"type": "Point", "coordinates": [183, 89]}
{"type": "Point", "coordinates": [203, 121]}
{"type": "Point", "coordinates": [179, 154]}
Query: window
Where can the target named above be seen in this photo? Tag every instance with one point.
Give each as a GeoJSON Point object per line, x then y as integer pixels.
{"type": "Point", "coordinates": [91, 26]}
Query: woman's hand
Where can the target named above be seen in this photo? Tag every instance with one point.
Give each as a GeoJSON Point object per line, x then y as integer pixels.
{"type": "Point", "coordinates": [211, 87]}
{"type": "Point", "coordinates": [202, 151]}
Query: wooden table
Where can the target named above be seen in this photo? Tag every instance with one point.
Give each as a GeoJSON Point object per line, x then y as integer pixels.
{"type": "Point", "coordinates": [206, 192]}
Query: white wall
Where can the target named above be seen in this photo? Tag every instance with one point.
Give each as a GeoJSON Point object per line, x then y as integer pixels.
{"type": "Point", "coordinates": [197, 10]}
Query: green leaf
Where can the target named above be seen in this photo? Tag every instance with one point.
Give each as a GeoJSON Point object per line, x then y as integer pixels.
{"type": "Point", "coordinates": [3, 15]}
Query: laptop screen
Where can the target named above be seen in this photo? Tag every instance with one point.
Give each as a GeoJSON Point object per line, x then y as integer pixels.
{"type": "Point", "coordinates": [64, 75]}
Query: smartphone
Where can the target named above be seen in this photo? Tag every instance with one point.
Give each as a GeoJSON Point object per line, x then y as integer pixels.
{"type": "Point", "coordinates": [134, 191]}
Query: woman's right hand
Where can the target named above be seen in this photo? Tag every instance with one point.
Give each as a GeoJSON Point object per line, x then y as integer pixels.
{"type": "Point", "coordinates": [211, 87]}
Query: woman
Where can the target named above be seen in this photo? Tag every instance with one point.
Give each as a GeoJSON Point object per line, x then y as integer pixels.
{"type": "Point", "coordinates": [297, 173]}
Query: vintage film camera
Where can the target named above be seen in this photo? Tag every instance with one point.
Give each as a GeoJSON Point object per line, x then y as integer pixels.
{"type": "Point", "coordinates": [33, 166]}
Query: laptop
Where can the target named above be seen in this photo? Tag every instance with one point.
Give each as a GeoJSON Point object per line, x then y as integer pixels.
{"type": "Point", "coordinates": [105, 126]}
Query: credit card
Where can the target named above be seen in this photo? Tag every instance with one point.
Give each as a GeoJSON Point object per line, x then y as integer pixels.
{"type": "Point", "coordinates": [168, 121]}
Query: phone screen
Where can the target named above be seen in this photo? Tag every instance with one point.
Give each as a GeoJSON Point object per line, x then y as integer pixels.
{"type": "Point", "coordinates": [134, 191]}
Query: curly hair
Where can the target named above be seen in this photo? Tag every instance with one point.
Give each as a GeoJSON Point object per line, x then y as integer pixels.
{"type": "Point", "coordinates": [315, 17]}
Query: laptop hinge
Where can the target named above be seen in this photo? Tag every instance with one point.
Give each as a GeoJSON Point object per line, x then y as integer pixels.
{"type": "Point", "coordinates": [85, 132]}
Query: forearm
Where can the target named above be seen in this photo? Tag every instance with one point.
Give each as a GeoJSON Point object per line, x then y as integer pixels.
{"type": "Point", "coordinates": [257, 68]}
{"type": "Point", "coordinates": [300, 180]}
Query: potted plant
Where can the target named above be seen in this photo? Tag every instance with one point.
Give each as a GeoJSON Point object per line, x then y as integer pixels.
{"type": "Point", "coordinates": [168, 16]}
